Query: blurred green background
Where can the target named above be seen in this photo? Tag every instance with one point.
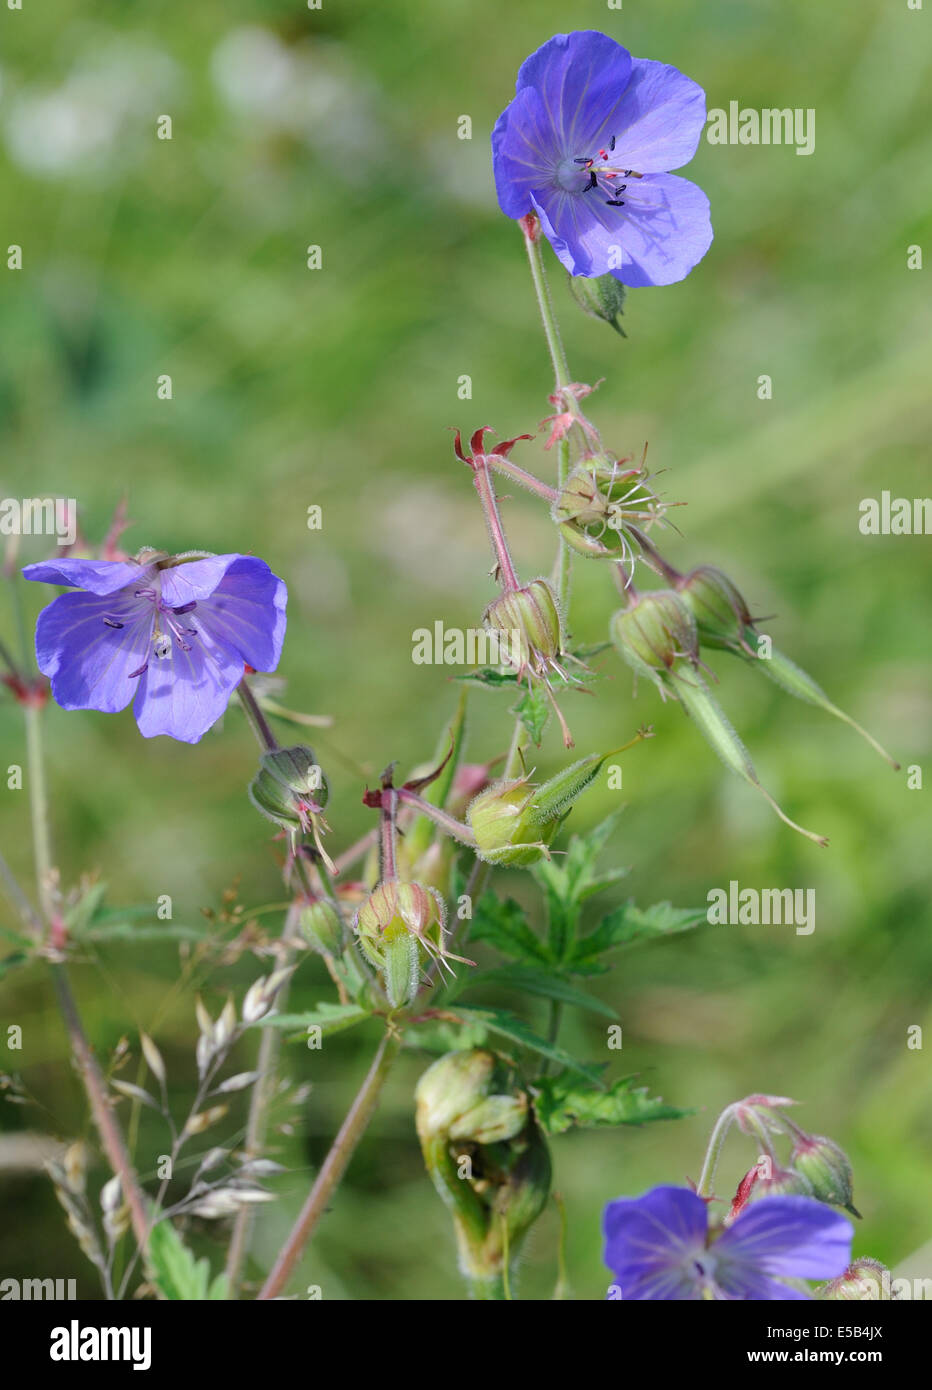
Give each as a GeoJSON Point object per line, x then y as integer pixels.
{"type": "Point", "coordinates": [336, 386]}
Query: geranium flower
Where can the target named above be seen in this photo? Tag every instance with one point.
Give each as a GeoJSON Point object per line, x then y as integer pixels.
{"type": "Point", "coordinates": [170, 633]}
{"type": "Point", "coordinates": [660, 1246]}
{"type": "Point", "coordinates": [587, 143]}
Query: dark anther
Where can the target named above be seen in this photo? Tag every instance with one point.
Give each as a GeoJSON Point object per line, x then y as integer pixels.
{"type": "Point", "coordinates": [614, 202]}
{"type": "Point", "coordinates": [133, 674]}
{"type": "Point", "coordinates": [593, 183]}
{"type": "Point", "coordinates": [111, 622]}
{"type": "Point", "coordinates": [582, 161]}
{"type": "Point", "coordinates": [186, 607]}
{"type": "Point", "coordinates": [611, 143]}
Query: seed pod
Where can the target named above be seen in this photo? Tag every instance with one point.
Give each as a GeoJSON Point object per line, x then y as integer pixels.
{"type": "Point", "coordinates": [400, 927]}
{"type": "Point", "coordinates": [514, 822]}
{"type": "Point", "coordinates": [600, 501]}
{"type": "Point", "coordinates": [721, 614]}
{"type": "Point", "coordinates": [826, 1166]}
{"type": "Point", "coordinates": [528, 626]}
{"type": "Point", "coordinates": [657, 630]}
{"type": "Point", "coordinates": [289, 787]}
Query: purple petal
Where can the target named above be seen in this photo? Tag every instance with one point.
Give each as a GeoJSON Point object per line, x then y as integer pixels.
{"type": "Point", "coordinates": [247, 612]}
{"type": "Point", "coordinates": [580, 78]}
{"type": "Point", "coordinates": [652, 1243]}
{"type": "Point", "coordinates": [658, 122]}
{"type": "Point", "coordinates": [96, 576]}
{"type": "Point", "coordinates": [88, 661]}
{"type": "Point", "coordinates": [739, 1282]}
{"type": "Point", "coordinates": [655, 239]}
{"type": "Point", "coordinates": [194, 579]}
{"type": "Point", "coordinates": [524, 154]}
{"type": "Point", "coordinates": [795, 1237]}
{"type": "Point", "coordinates": [184, 694]}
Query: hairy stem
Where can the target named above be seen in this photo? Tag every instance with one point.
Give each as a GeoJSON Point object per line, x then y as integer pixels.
{"type": "Point", "coordinates": [334, 1166]}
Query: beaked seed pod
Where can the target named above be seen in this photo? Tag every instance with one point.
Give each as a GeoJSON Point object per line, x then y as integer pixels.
{"type": "Point", "coordinates": [514, 822]}
{"type": "Point", "coordinates": [401, 927]}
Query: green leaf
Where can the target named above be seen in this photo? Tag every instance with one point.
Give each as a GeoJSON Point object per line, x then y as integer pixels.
{"type": "Point", "coordinates": [628, 924]}
{"type": "Point", "coordinates": [220, 1288]}
{"type": "Point", "coordinates": [569, 883]}
{"type": "Point", "coordinates": [172, 1267]}
{"type": "Point", "coordinates": [507, 1025]}
{"type": "Point", "coordinates": [329, 1018]}
{"type": "Point", "coordinates": [534, 710]}
{"type": "Point", "coordinates": [530, 981]}
{"type": "Point", "coordinates": [504, 926]}
{"type": "Point", "coordinates": [560, 1102]}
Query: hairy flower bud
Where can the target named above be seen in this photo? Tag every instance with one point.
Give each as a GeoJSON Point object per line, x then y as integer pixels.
{"type": "Point", "coordinates": [600, 501]}
{"type": "Point", "coordinates": [601, 297]}
{"type": "Point", "coordinates": [864, 1280]}
{"type": "Point", "coordinates": [322, 927]}
{"type": "Point", "coordinates": [515, 822]}
{"type": "Point", "coordinates": [527, 623]}
{"type": "Point", "coordinates": [289, 787]}
{"type": "Point", "coordinates": [826, 1166]}
{"type": "Point", "coordinates": [656, 631]}
{"type": "Point", "coordinates": [784, 1182]}
{"type": "Point", "coordinates": [487, 1159]}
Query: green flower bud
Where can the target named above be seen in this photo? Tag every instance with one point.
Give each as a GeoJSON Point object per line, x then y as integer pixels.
{"type": "Point", "coordinates": [657, 630]}
{"type": "Point", "coordinates": [864, 1280]}
{"type": "Point", "coordinates": [601, 297]}
{"type": "Point", "coordinates": [322, 927]}
{"type": "Point", "coordinates": [721, 614]}
{"type": "Point", "coordinates": [515, 822]}
{"type": "Point", "coordinates": [487, 1159]}
{"type": "Point", "coordinates": [527, 622]}
{"type": "Point", "coordinates": [289, 787]}
{"type": "Point", "coordinates": [826, 1166]}
{"type": "Point", "coordinates": [598, 504]}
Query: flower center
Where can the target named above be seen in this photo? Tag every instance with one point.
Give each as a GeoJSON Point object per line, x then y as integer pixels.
{"type": "Point", "coordinates": [601, 172]}
{"type": "Point", "coordinates": [165, 625]}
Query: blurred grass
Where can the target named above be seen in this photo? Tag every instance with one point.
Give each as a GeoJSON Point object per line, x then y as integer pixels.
{"type": "Point", "coordinates": [336, 387]}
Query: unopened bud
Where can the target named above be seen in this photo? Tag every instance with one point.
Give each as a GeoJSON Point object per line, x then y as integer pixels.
{"type": "Point", "coordinates": [601, 297]}
{"type": "Point", "coordinates": [864, 1280]}
{"type": "Point", "coordinates": [826, 1166]}
{"type": "Point", "coordinates": [322, 927]}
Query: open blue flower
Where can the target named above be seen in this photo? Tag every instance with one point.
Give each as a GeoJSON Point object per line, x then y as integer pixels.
{"type": "Point", "coordinates": [171, 634]}
{"type": "Point", "coordinates": [587, 144]}
{"type": "Point", "coordinates": [659, 1246]}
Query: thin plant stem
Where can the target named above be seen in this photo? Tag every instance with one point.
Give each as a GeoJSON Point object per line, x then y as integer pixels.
{"type": "Point", "coordinates": [714, 1151]}
{"type": "Point", "coordinates": [39, 809]}
{"type": "Point", "coordinates": [334, 1166]}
